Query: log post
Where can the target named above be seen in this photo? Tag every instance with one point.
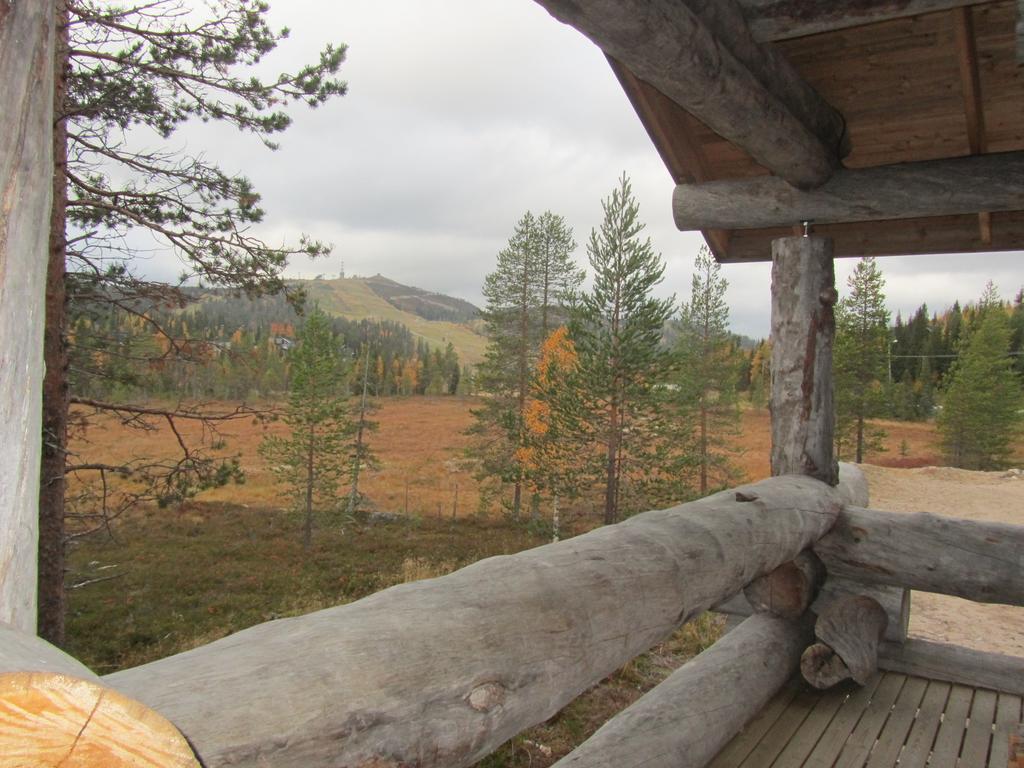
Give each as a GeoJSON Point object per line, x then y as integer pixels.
{"type": "Point", "coordinates": [848, 632]}
{"type": "Point", "coordinates": [803, 330]}
{"type": "Point", "coordinates": [788, 590]}
{"type": "Point", "coordinates": [685, 720]}
{"type": "Point", "coordinates": [55, 712]}
{"type": "Point", "coordinates": [26, 167]}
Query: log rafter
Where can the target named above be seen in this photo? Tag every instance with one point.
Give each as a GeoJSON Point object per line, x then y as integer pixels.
{"type": "Point", "coordinates": [949, 187]}
{"type": "Point", "coordinates": [702, 56]}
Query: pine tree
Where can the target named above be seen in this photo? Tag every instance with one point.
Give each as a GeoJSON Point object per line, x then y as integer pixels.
{"type": "Point", "coordinates": [616, 328]}
{"type": "Point", "coordinates": [860, 360]}
{"type": "Point", "coordinates": [708, 363]}
{"type": "Point", "coordinates": [314, 456]}
{"type": "Point", "coordinates": [125, 74]}
{"type": "Point", "coordinates": [524, 295]}
{"type": "Point", "coordinates": [981, 413]}
{"type": "Point", "coordinates": [361, 456]}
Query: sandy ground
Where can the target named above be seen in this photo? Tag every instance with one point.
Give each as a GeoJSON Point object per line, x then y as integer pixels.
{"type": "Point", "coordinates": [993, 496]}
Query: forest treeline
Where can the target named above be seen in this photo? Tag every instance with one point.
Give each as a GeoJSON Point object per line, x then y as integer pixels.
{"type": "Point", "coordinates": [616, 399]}
{"type": "Point", "coordinates": [220, 346]}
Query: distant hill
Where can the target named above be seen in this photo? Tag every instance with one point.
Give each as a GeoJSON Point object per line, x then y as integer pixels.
{"type": "Point", "coordinates": [426, 304]}
{"type": "Point", "coordinates": [434, 317]}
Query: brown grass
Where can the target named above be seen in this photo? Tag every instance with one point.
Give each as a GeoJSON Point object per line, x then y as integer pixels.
{"type": "Point", "coordinates": [421, 444]}
{"type": "Point", "coordinates": [231, 557]}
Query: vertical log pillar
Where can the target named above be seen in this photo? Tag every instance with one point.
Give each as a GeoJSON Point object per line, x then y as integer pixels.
{"type": "Point", "coordinates": [803, 331]}
{"type": "Point", "coordinates": [26, 167]}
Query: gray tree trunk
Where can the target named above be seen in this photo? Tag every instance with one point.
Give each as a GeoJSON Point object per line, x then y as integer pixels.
{"type": "Point", "coordinates": [56, 392]}
{"type": "Point", "coordinates": [26, 169]}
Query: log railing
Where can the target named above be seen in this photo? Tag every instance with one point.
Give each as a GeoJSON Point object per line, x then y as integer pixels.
{"type": "Point", "coordinates": [442, 671]}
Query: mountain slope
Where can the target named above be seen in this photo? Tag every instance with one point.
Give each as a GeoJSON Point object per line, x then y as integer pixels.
{"type": "Point", "coordinates": [356, 299]}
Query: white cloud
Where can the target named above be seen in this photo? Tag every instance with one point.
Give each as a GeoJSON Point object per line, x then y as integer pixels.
{"type": "Point", "coordinates": [460, 116]}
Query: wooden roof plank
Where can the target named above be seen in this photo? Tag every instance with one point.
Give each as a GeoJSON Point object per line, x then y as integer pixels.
{"type": "Point", "coordinates": [784, 19]}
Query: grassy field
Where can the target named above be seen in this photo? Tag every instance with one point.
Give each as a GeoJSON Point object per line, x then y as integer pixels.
{"type": "Point", "coordinates": [171, 579]}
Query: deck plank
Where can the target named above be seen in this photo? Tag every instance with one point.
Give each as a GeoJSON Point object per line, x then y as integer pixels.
{"type": "Point", "coordinates": [782, 731]}
{"type": "Point", "coordinates": [896, 721]}
{"type": "Point", "coordinates": [804, 742]}
{"type": "Point", "coordinates": [894, 734]}
{"type": "Point", "coordinates": [1008, 714]}
{"type": "Point", "coordinates": [922, 733]}
{"type": "Point", "coordinates": [736, 751]}
{"type": "Point", "coordinates": [838, 731]}
{"type": "Point", "coordinates": [862, 740]}
{"type": "Point", "coordinates": [979, 730]}
{"type": "Point", "coordinates": [951, 732]}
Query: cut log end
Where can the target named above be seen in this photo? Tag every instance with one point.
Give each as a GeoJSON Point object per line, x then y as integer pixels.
{"type": "Point", "coordinates": [822, 667]}
{"type": "Point", "coordinates": [51, 719]}
{"type": "Point", "coordinates": [789, 589]}
{"type": "Point", "coordinates": [849, 629]}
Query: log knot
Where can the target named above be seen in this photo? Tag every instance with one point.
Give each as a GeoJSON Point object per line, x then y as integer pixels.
{"type": "Point", "coordinates": [828, 296]}
{"type": "Point", "coordinates": [487, 696]}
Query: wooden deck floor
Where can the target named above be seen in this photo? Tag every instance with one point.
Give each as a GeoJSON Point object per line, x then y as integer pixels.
{"type": "Point", "coordinates": [896, 720]}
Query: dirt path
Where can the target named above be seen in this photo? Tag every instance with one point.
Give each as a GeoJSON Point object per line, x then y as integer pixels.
{"type": "Point", "coordinates": [994, 496]}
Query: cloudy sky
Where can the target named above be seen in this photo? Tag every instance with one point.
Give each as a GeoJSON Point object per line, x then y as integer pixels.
{"type": "Point", "coordinates": [462, 115]}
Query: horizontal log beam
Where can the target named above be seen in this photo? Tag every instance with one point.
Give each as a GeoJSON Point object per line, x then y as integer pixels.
{"type": "Point", "coordinates": [685, 720]}
{"type": "Point", "coordinates": [474, 657]}
{"type": "Point", "coordinates": [949, 187]}
{"type": "Point", "coordinates": [954, 664]}
{"type": "Point", "coordinates": [700, 55]}
{"type": "Point", "coordinates": [978, 561]}
{"type": "Point", "coordinates": [784, 19]}
{"type": "Point", "coordinates": [899, 237]}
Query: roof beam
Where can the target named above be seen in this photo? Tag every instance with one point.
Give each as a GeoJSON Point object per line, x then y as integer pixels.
{"type": "Point", "coordinates": [898, 237]}
{"type": "Point", "coordinates": [701, 55]}
{"type": "Point", "coordinates": [947, 187]}
{"type": "Point", "coordinates": [784, 19]}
